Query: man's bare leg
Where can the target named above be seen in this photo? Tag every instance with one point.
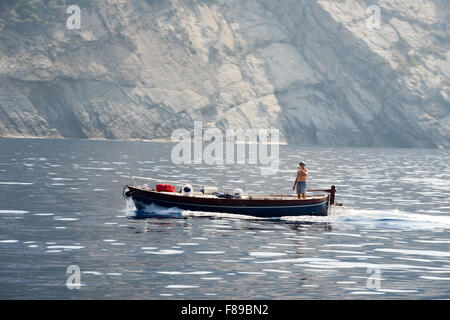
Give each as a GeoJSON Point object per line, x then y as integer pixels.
{"type": "Point", "coordinates": [304, 195]}
{"type": "Point", "coordinates": [299, 195]}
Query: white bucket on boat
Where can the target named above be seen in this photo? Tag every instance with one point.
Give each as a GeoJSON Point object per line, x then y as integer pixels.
{"type": "Point", "coordinates": [187, 190]}
{"type": "Point", "coordinates": [209, 190]}
{"type": "Point", "coordinates": [238, 192]}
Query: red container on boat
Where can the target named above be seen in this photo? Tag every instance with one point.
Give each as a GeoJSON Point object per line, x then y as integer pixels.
{"type": "Point", "coordinates": [165, 187]}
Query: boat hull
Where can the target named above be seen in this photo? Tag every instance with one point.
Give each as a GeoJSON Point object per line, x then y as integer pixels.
{"type": "Point", "coordinates": [317, 206]}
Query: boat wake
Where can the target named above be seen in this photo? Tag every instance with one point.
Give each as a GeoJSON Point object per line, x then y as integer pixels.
{"type": "Point", "coordinates": [379, 219]}
{"type": "Point", "coordinates": [152, 211]}
{"type": "Point", "coordinates": [368, 218]}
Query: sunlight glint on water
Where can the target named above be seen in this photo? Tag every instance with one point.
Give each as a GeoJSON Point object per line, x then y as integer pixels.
{"type": "Point", "coordinates": [61, 204]}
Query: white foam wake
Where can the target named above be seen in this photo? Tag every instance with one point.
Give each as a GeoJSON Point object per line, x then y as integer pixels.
{"type": "Point", "coordinates": [153, 209]}
{"type": "Point", "coordinates": [383, 219]}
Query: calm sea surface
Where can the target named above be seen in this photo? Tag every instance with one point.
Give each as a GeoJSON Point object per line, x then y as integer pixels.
{"type": "Point", "coordinates": [61, 204]}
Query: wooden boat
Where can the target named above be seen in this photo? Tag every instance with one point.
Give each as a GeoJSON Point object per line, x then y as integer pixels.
{"type": "Point", "coordinates": [272, 205]}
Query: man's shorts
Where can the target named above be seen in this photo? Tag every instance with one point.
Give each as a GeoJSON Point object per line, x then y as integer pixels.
{"type": "Point", "coordinates": [301, 187]}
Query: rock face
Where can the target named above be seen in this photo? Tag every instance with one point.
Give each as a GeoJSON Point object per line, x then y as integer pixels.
{"type": "Point", "coordinates": [311, 68]}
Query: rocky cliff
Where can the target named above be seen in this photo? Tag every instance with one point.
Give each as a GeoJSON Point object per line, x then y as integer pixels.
{"type": "Point", "coordinates": [311, 68]}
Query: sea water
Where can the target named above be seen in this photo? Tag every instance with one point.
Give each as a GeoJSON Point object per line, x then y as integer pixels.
{"type": "Point", "coordinates": [61, 206]}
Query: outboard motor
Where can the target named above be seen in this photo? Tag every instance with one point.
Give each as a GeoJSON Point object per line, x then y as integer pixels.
{"type": "Point", "coordinates": [187, 190]}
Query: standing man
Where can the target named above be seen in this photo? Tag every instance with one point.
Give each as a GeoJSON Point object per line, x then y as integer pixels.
{"type": "Point", "coordinates": [300, 180]}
